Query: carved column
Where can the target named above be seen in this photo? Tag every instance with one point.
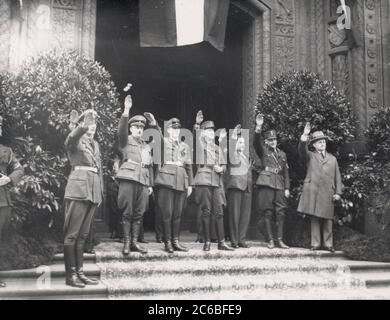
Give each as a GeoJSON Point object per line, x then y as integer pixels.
{"type": "Point", "coordinates": [374, 66]}
{"type": "Point", "coordinates": [284, 36]}
{"type": "Point", "coordinates": [385, 21]}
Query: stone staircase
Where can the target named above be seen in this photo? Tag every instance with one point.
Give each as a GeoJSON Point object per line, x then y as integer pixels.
{"type": "Point", "coordinates": [253, 273]}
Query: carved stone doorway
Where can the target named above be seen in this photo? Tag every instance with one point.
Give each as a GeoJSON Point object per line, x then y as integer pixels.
{"type": "Point", "coordinates": [179, 81]}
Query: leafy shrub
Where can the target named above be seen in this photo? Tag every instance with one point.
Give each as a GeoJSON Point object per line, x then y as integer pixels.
{"type": "Point", "coordinates": [36, 103]}
{"type": "Point", "coordinates": [378, 133]}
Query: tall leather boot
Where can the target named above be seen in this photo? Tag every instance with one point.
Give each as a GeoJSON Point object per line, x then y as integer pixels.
{"type": "Point", "coordinates": [279, 224]}
{"type": "Point", "coordinates": [71, 278]}
{"type": "Point", "coordinates": [141, 237]}
{"type": "Point", "coordinates": [134, 246]}
{"type": "Point", "coordinates": [206, 233]}
{"type": "Point", "coordinates": [79, 266]}
{"type": "Point", "coordinates": [126, 238]}
{"type": "Point", "coordinates": [177, 246]}
{"type": "Point", "coordinates": [268, 228]}
{"type": "Point", "coordinates": [220, 228]}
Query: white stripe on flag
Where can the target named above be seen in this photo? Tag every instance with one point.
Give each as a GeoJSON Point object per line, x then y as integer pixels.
{"type": "Point", "coordinates": [189, 21]}
{"type": "Point", "coordinates": [342, 2]}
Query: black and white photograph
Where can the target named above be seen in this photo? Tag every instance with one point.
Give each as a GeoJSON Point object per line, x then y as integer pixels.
{"type": "Point", "coordinates": [194, 151]}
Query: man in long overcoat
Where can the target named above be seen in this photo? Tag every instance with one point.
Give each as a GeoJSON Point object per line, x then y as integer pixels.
{"type": "Point", "coordinates": [322, 186]}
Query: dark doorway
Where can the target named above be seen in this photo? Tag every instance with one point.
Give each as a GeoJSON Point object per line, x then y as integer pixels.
{"type": "Point", "coordinates": [173, 81]}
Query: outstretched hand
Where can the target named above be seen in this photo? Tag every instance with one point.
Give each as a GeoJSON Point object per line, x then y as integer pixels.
{"type": "Point", "coordinates": [236, 132]}
{"type": "Point", "coordinates": [307, 129]}
{"type": "Point", "coordinates": [150, 117]}
{"type": "Point", "coordinates": [222, 135]}
{"type": "Point", "coordinates": [89, 117]}
{"type": "Point", "coordinates": [199, 117]}
{"type": "Point", "coordinates": [259, 119]}
{"type": "Point", "coordinates": [128, 104]}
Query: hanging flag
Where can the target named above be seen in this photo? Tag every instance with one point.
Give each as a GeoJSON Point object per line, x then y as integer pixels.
{"type": "Point", "coordinates": [351, 42]}
{"type": "Point", "coordinates": [170, 23]}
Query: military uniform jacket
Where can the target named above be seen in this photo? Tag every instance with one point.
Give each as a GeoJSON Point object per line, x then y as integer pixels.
{"type": "Point", "coordinates": [83, 184]}
{"type": "Point", "coordinates": [10, 167]}
{"type": "Point", "coordinates": [176, 176]}
{"type": "Point", "coordinates": [274, 168]}
{"type": "Point", "coordinates": [322, 181]}
{"type": "Point", "coordinates": [239, 173]}
{"type": "Point", "coordinates": [212, 155]}
{"type": "Point", "coordinates": [140, 166]}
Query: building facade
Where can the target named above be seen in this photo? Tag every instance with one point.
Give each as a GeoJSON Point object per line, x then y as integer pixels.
{"type": "Point", "coordinates": [274, 36]}
{"type": "Point", "coordinates": [282, 35]}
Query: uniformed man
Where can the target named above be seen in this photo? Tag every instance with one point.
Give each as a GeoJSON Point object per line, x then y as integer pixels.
{"type": "Point", "coordinates": [273, 181]}
{"type": "Point", "coordinates": [174, 181]}
{"type": "Point", "coordinates": [135, 177]}
{"type": "Point", "coordinates": [239, 186]}
{"type": "Point", "coordinates": [322, 186]}
{"type": "Point", "coordinates": [11, 172]}
{"type": "Point", "coordinates": [208, 182]}
{"type": "Point", "coordinates": [83, 194]}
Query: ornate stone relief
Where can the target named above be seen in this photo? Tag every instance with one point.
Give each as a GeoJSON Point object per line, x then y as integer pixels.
{"type": "Point", "coordinates": [372, 36]}
{"type": "Point", "coordinates": [284, 36]}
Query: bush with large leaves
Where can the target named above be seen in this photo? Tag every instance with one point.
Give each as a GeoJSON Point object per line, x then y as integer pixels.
{"type": "Point", "coordinates": [36, 103]}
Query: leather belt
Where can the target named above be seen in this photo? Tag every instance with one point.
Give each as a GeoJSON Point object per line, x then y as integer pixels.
{"type": "Point", "coordinates": [86, 168]}
{"type": "Point", "coordinates": [142, 164]}
{"type": "Point", "coordinates": [175, 163]}
{"type": "Point", "coordinates": [273, 170]}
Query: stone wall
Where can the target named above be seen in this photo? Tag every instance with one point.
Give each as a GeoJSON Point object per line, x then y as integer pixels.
{"type": "Point", "coordinates": [32, 26]}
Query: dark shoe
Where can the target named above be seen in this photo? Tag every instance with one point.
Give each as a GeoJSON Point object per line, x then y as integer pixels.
{"type": "Point", "coordinates": [243, 245]}
{"type": "Point", "coordinates": [177, 246]}
{"type": "Point", "coordinates": [223, 246]}
{"type": "Point", "coordinates": [282, 245]}
{"type": "Point", "coordinates": [206, 246]}
{"type": "Point", "coordinates": [143, 241]}
{"type": "Point", "coordinates": [2, 284]}
{"type": "Point", "coordinates": [83, 278]}
{"type": "Point", "coordinates": [159, 240]}
{"type": "Point", "coordinates": [235, 245]}
{"type": "Point", "coordinates": [199, 239]}
{"type": "Point", "coordinates": [312, 248]}
{"type": "Point", "coordinates": [73, 280]}
{"type": "Point", "coordinates": [331, 249]}
{"type": "Point", "coordinates": [271, 244]}
{"type": "Point", "coordinates": [168, 247]}
{"type": "Point", "coordinates": [126, 247]}
{"type": "Point", "coordinates": [137, 248]}
{"type": "Point", "coordinates": [90, 251]}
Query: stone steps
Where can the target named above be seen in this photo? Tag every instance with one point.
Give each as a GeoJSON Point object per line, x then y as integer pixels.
{"type": "Point", "coordinates": [254, 273]}
{"type": "Point", "coordinates": [29, 289]}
